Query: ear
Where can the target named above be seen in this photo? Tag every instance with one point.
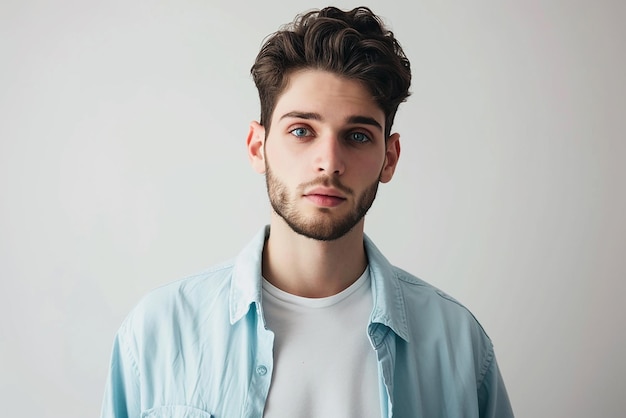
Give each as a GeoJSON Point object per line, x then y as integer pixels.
{"type": "Point", "coordinates": [392, 154]}
{"type": "Point", "coordinates": [255, 144]}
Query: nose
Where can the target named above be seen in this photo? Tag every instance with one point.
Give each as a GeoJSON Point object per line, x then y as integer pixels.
{"type": "Point", "coordinates": [329, 157]}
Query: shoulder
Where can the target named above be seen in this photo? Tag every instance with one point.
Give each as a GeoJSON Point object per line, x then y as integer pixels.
{"type": "Point", "coordinates": [414, 287]}
{"type": "Point", "coordinates": [431, 310]}
{"type": "Point", "coordinates": [446, 341]}
{"type": "Point", "coordinates": [418, 309]}
{"type": "Point", "coordinates": [181, 302]}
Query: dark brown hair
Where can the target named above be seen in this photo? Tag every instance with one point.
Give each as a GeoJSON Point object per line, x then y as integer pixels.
{"type": "Point", "coordinates": [353, 44]}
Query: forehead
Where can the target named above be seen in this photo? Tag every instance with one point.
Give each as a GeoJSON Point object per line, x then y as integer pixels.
{"type": "Point", "coordinates": [327, 94]}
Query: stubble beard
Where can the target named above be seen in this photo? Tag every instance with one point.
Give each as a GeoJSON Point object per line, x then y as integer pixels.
{"type": "Point", "coordinates": [323, 226]}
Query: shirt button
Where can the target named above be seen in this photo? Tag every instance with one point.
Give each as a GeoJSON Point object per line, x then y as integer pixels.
{"type": "Point", "coordinates": [261, 370]}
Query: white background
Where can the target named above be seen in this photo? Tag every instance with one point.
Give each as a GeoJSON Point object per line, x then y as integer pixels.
{"type": "Point", "coordinates": [123, 167]}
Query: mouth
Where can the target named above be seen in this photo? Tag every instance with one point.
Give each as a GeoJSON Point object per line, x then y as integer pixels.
{"type": "Point", "coordinates": [325, 197]}
{"type": "Point", "coordinates": [324, 200]}
{"type": "Point", "coordinates": [325, 191]}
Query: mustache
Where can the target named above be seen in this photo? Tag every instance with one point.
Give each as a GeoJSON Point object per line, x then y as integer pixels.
{"type": "Point", "coordinates": [327, 181]}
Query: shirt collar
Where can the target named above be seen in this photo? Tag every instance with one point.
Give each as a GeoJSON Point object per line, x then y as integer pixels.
{"type": "Point", "coordinates": [388, 307]}
{"type": "Point", "coordinates": [245, 287]}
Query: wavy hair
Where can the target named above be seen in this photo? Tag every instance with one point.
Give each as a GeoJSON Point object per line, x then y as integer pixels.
{"type": "Point", "coordinates": [354, 44]}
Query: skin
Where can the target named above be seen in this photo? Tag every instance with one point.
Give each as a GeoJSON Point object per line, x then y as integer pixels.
{"type": "Point", "coordinates": [323, 159]}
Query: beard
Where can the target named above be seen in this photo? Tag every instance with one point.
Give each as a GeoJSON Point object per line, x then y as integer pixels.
{"type": "Point", "coordinates": [323, 227]}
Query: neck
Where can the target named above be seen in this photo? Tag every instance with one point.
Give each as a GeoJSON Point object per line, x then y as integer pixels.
{"type": "Point", "coordinates": [306, 267]}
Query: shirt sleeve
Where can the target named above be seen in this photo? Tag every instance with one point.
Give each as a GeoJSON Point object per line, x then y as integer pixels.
{"type": "Point", "coordinates": [121, 394]}
{"type": "Point", "coordinates": [493, 400]}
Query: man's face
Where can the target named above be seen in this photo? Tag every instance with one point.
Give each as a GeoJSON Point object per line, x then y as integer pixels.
{"type": "Point", "coordinates": [325, 154]}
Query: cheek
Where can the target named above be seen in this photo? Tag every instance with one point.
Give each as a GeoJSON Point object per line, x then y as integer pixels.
{"type": "Point", "coordinates": [283, 165]}
{"type": "Point", "coordinates": [371, 166]}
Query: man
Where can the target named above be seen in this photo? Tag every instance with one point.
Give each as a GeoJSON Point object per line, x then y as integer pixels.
{"type": "Point", "coordinates": [310, 320]}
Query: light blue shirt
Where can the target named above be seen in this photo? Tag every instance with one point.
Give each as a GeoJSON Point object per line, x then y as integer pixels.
{"type": "Point", "coordinates": [200, 348]}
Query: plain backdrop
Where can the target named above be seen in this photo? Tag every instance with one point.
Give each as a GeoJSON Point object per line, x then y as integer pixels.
{"type": "Point", "coordinates": [123, 167]}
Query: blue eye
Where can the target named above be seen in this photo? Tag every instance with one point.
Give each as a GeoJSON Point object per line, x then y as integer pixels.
{"type": "Point", "coordinates": [300, 132]}
{"type": "Point", "coordinates": [359, 137]}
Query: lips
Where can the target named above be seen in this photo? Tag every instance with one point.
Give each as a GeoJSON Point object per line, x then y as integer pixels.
{"type": "Point", "coordinates": [325, 191]}
{"type": "Point", "coordinates": [326, 197]}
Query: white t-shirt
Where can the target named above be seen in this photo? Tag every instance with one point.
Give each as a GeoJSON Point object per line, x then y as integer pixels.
{"type": "Point", "coordinates": [324, 364]}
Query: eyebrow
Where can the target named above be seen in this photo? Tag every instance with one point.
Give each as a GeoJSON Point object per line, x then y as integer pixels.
{"type": "Point", "coordinates": [358, 119]}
